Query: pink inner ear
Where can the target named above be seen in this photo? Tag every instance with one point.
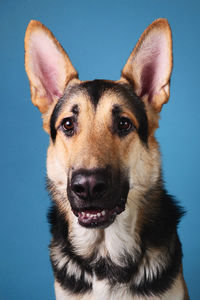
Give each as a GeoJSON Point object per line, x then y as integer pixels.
{"type": "Point", "coordinates": [45, 64]}
{"type": "Point", "coordinates": [153, 59]}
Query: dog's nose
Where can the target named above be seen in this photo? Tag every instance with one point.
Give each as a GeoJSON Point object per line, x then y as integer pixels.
{"type": "Point", "coordinates": [89, 185]}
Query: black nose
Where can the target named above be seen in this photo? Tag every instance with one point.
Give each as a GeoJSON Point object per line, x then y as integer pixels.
{"type": "Point", "coordinates": [90, 185]}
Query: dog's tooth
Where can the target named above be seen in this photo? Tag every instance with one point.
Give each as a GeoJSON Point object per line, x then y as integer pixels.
{"type": "Point", "coordinates": [98, 214]}
{"type": "Point", "coordinates": [88, 215]}
{"type": "Point", "coordinates": [83, 214]}
{"type": "Point", "coordinates": [103, 213]}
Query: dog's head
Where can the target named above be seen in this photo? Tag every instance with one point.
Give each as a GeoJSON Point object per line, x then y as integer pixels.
{"type": "Point", "coordinates": [102, 144]}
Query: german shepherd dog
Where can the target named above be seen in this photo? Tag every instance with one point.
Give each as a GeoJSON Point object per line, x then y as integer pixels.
{"type": "Point", "coordinates": [113, 224]}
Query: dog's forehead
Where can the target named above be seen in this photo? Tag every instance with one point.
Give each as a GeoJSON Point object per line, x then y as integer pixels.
{"type": "Point", "coordinates": [97, 90]}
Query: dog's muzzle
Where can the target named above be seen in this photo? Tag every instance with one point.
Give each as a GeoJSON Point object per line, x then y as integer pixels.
{"type": "Point", "coordinates": [97, 196]}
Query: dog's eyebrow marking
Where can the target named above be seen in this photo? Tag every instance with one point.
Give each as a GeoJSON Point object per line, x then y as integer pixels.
{"type": "Point", "coordinates": [116, 110]}
{"type": "Point", "coordinates": [75, 109]}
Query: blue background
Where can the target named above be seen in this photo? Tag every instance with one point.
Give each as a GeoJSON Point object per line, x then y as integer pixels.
{"type": "Point", "coordinates": [98, 36]}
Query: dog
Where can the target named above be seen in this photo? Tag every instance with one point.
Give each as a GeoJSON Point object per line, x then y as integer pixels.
{"type": "Point", "coordinates": [113, 224]}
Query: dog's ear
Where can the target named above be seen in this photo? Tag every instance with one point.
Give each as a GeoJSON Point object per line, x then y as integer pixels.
{"type": "Point", "coordinates": [149, 66]}
{"type": "Point", "coordinates": [47, 65]}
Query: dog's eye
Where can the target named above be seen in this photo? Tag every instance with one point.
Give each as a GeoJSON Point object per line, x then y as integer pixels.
{"type": "Point", "coordinates": [124, 125]}
{"type": "Point", "coordinates": [68, 126]}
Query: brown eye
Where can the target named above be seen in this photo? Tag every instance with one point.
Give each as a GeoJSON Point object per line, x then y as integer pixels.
{"type": "Point", "coordinates": [68, 126]}
{"type": "Point", "coordinates": [124, 125]}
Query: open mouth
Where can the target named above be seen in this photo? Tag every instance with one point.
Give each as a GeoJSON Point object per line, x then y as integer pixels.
{"type": "Point", "coordinates": [97, 217]}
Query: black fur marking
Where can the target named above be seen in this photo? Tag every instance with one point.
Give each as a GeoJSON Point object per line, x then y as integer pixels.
{"type": "Point", "coordinates": [54, 117]}
{"type": "Point", "coordinates": [105, 268]}
{"type": "Point", "coordinates": [70, 282]}
{"type": "Point", "coordinates": [96, 88]}
{"type": "Point", "coordinates": [75, 110]}
{"type": "Point", "coordinates": [59, 230]}
{"type": "Point", "coordinates": [162, 215]}
{"type": "Point", "coordinates": [116, 111]}
{"type": "Point", "coordinates": [164, 280]}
